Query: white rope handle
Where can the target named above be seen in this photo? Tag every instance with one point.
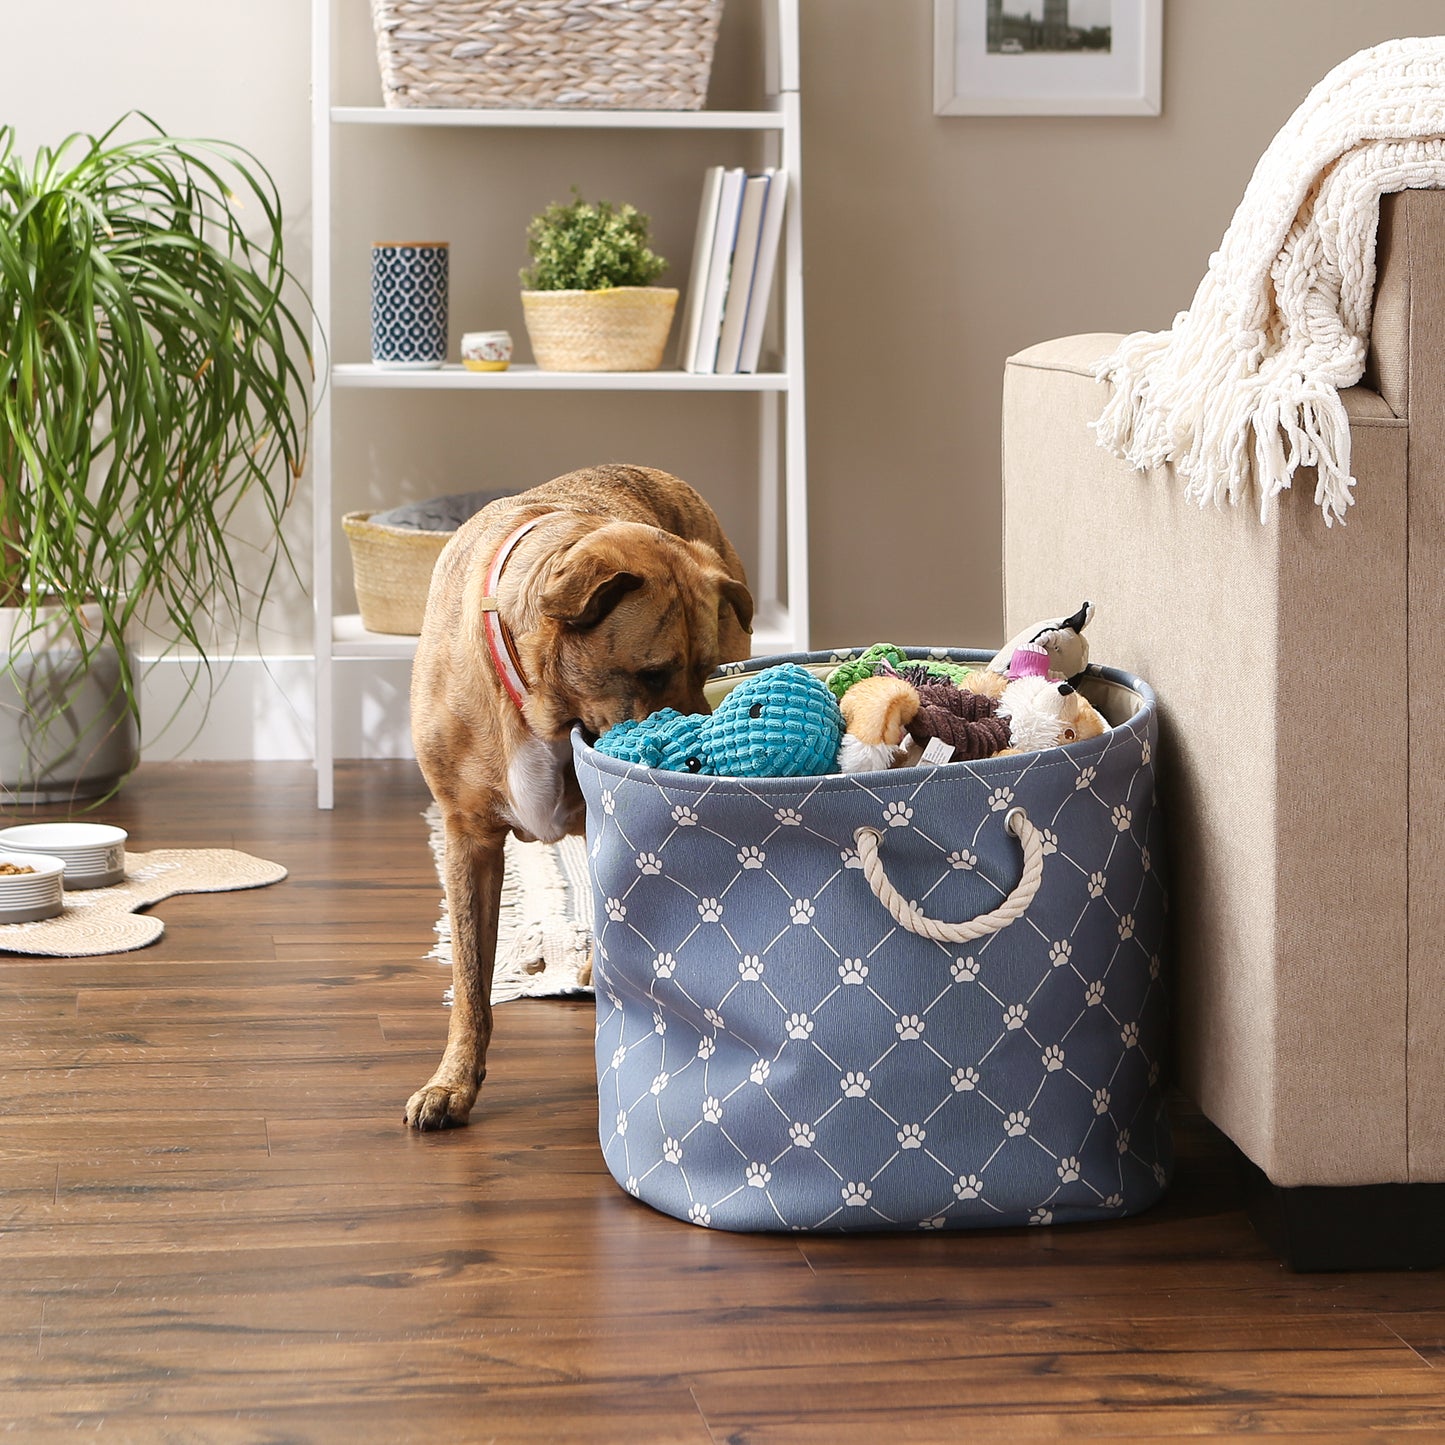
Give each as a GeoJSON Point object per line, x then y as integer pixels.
{"type": "Point", "coordinates": [911, 917]}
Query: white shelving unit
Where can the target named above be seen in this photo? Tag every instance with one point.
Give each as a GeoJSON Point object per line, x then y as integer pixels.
{"type": "Point", "coordinates": [779, 574]}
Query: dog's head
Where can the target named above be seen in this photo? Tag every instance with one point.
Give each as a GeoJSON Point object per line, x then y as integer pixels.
{"type": "Point", "coordinates": [632, 619]}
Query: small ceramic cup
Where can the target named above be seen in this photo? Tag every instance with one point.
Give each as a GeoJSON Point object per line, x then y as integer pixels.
{"type": "Point", "coordinates": [409, 282]}
{"type": "Point", "coordinates": [487, 350]}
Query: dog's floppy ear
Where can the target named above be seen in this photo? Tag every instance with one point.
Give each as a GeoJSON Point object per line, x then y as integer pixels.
{"type": "Point", "coordinates": [737, 596]}
{"type": "Point", "coordinates": [585, 587]}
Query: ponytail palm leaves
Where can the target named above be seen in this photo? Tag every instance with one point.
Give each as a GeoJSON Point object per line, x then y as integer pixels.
{"type": "Point", "coordinates": [154, 388]}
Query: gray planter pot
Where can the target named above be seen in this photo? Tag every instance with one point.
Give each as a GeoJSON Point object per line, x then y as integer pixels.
{"type": "Point", "coordinates": [65, 731]}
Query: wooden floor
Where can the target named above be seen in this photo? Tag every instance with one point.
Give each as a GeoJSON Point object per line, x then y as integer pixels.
{"type": "Point", "coordinates": [215, 1227]}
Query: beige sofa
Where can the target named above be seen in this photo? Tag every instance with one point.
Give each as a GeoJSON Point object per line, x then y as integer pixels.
{"type": "Point", "coordinates": [1301, 679]}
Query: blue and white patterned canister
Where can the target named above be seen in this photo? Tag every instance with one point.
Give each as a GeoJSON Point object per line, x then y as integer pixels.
{"type": "Point", "coordinates": [409, 303]}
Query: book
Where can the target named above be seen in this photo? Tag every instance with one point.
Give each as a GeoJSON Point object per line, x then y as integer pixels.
{"type": "Point", "coordinates": [740, 278]}
{"type": "Point", "coordinates": [761, 289]}
{"type": "Point", "coordinates": [701, 259]}
{"type": "Point", "coordinates": [714, 294]}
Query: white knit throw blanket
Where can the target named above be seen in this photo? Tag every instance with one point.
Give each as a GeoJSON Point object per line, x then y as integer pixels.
{"type": "Point", "coordinates": [1246, 384]}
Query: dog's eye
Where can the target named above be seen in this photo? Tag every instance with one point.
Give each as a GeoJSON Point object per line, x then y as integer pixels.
{"type": "Point", "coordinates": [756, 710]}
{"type": "Point", "coordinates": [655, 678]}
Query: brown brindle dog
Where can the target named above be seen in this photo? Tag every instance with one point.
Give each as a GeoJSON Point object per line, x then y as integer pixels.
{"type": "Point", "coordinates": [603, 595]}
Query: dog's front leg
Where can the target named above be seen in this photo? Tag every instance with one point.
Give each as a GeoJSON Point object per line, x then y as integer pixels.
{"type": "Point", "coordinates": [474, 893]}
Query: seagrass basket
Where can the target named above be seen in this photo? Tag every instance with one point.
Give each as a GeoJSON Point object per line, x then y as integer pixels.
{"type": "Point", "coordinates": [392, 568]}
{"type": "Point", "coordinates": [546, 54]}
{"type": "Point", "coordinates": [621, 329]}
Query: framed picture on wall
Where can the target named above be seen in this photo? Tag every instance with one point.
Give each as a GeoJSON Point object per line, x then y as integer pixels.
{"type": "Point", "coordinates": [1047, 57]}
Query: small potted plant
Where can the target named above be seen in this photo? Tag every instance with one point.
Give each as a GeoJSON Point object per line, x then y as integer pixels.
{"type": "Point", "coordinates": [154, 402]}
{"type": "Point", "coordinates": [588, 296]}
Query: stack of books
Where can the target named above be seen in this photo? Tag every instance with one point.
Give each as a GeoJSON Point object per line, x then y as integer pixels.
{"type": "Point", "coordinates": [738, 226]}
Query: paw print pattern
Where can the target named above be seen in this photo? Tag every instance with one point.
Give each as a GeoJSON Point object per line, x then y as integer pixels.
{"type": "Point", "coordinates": [712, 1110]}
{"type": "Point", "coordinates": [713, 1017]}
{"type": "Point", "coordinates": [1160, 1177]}
{"type": "Point", "coordinates": [664, 965]}
{"type": "Point", "coordinates": [1145, 753]}
{"type": "Point", "coordinates": [938, 1221]}
{"type": "Point", "coordinates": [752, 857]}
{"type": "Point", "coordinates": [1154, 1073]}
{"type": "Point", "coordinates": [855, 1085]}
{"type": "Point", "coordinates": [709, 910]}
{"type": "Point", "coordinates": [750, 968]}
{"type": "Point", "coordinates": [1130, 1035]}
{"type": "Point", "coordinates": [649, 864]}
{"type": "Point", "coordinates": [1094, 994]}
{"type": "Point", "coordinates": [698, 1214]}
{"type": "Point", "coordinates": [616, 909]}
{"type": "Point", "coordinates": [1050, 839]}
{"type": "Point", "coordinates": [1053, 1059]}
{"type": "Point", "coordinates": [800, 1026]}
{"type": "Point", "coordinates": [706, 1048]}
{"type": "Point", "coordinates": [967, 1186]}
{"type": "Point", "coordinates": [660, 1082]}
{"type": "Point", "coordinates": [855, 1196]}
{"type": "Point", "coordinates": [622, 1123]}
{"type": "Point", "coordinates": [1122, 1142]}
{"type": "Point", "coordinates": [965, 1080]}
{"type": "Point", "coordinates": [731, 669]}
{"type": "Point", "coordinates": [850, 859]}
{"type": "Point", "coordinates": [1061, 952]}
{"type": "Point", "coordinates": [1116, 1201]}
{"type": "Point", "coordinates": [619, 1057]}
{"type": "Point", "coordinates": [1146, 860]}
{"type": "Point", "coordinates": [964, 970]}
{"type": "Point", "coordinates": [1015, 1016]}
{"type": "Point", "coordinates": [909, 1027]}
{"type": "Point", "coordinates": [1016, 1123]}
{"type": "Point", "coordinates": [1122, 818]}
{"type": "Point", "coordinates": [1085, 779]}
{"type": "Point", "coordinates": [760, 1071]}
{"type": "Point", "coordinates": [631, 1186]}
{"type": "Point", "coordinates": [852, 970]}
{"type": "Point", "coordinates": [1097, 884]}
{"type": "Point", "coordinates": [898, 815]}
{"type": "Point", "coordinates": [684, 817]}
{"type": "Point", "coordinates": [597, 845]}
{"type": "Point", "coordinates": [659, 1024]}
{"type": "Point", "coordinates": [911, 1136]}
{"type": "Point", "coordinates": [963, 859]}
{"type": "Point", "coordinates": [1042, 1216]}
{"type": "Point", "coordinates": [758, 1176]}
{"type": "Point", "coordinates": [609, 803]}
{"type": "Point", "coordinates": [802, 911]}
{"type": "Point", "coordinates": [789, 817]}
{"type": "Point", "coordinates": [1126, 925]}
{"type": "Point", "coordinates": [1068, 1170]}
{"type": "Point", "coordinates": [1102, 1100]}
{"type": "Point", "coordinates": [672, 1151]}
{"type": "Point", "coordinates": [1000, 799]}
{"type": "Point", "coordinates": [1154, 968]}
{"type": "Point", "coordinates": [802, 1136]}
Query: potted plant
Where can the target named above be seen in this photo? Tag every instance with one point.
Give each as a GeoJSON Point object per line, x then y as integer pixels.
{"type": "Point", "coordinates": [154, 407]}
{"type": "Point", "coordinates": [588, 297]}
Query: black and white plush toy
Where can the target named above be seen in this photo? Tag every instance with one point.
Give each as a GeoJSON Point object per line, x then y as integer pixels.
{"type": "Point", "coordinates": [1061, 637]}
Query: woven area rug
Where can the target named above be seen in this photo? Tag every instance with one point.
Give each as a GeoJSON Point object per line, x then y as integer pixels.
{"type": "Point", "coordinates": [544, 936]}
{"type": "Point", "coordinates": [104, 920]}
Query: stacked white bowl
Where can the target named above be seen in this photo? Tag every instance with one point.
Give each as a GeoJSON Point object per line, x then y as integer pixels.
{"type": "Point", "coordinates": [93, 853]}
{"type": "Point", "coordinates": [27, 897]}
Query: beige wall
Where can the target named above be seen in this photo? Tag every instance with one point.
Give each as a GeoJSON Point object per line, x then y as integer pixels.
{"type": "Point", "coordinates": [936, 246]}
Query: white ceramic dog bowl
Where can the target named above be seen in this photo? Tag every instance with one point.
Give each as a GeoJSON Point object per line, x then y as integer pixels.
{"type": "Point", "coordinates": [27, 897]}
{"type": "Point", "coordinates": [93, 853]}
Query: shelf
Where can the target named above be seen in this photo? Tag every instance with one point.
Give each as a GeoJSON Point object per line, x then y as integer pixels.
{"type": "Point", "coordinates": [527, 377]}
{"type": "Point", "coordinates": [772, 632]}
{"type": "Point", "coordinates": [563, 119]}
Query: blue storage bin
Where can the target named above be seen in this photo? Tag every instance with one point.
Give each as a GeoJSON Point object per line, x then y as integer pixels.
{"type": "Point", "coordinates": [924, 998]}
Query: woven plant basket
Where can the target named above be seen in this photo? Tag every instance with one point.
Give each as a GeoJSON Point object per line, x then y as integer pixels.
{"type": "Point", "coordinates": [546, 54]}
{"type": "Point", "coordinates": [621, 329]}
{"type": "Point", "coordinates": [392, 569]}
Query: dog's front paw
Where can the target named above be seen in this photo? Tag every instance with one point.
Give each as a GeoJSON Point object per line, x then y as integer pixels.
{"type": "Point", "coordinates": [440, 1105]}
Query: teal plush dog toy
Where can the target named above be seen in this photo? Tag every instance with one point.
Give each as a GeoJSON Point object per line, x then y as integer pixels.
{"type": "Point", "coordinates": [781, 722]}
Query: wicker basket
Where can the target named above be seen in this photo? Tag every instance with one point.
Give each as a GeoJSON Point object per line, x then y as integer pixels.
{"type": "Point", "coordinates": [546, 54]}
{"type": "Point", "coordinates": [392, 568]}
{"type": "Point", "coordinates": [622, 329]}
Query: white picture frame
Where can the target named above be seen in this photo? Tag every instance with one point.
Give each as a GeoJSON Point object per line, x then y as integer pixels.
{"type": "Point", "coordinates": [977, 73]}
